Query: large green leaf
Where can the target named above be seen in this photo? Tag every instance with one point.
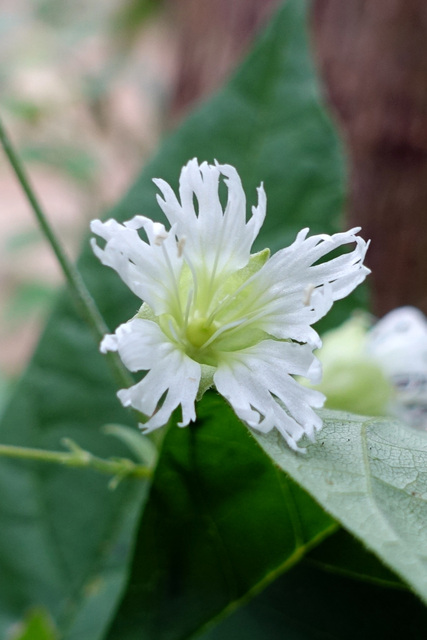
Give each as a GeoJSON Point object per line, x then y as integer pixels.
{"type": "Point", "coordinates": [309, 604]}
{"type": "Point", "coordinates": [343, 555]}
{"type": "Point", "coordinates": [221, 524]}
{"type": "Point", "coordinates": [370, 474]}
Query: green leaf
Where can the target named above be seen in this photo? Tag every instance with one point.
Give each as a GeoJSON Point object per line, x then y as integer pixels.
{"type": "Point", "coordinates": [342, 554]}
{"type": "Point", "coordinates": [309, 604]}
{"type": "Point", "coordinates": [371, 475]}
{"type": "Point", "coordinates": [64, 536]}
{"type": "Point", "coordinates": [221, 523]}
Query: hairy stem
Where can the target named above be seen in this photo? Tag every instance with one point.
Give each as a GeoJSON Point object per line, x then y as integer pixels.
{"type": "Point", "coordinates": [77, 457]}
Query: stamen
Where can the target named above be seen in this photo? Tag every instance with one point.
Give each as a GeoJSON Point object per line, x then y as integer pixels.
{"type": "Point", "coordinates": [175, 283]}
{"type": "Point", "coordinates": [218, 332]}
{"type": "Point", "coordinates": [230, 298]}
{"type": "Point", "coordinates": [172, 330]}
{"type": "Point", "coordinates": [307, 295]}
{"type": "Point", "coordinates": [160, 237]}
{"type": "Point", "coordinates": [193, 273]}
{"type": "Point", "coordinates": [217, 254]}
{"type": "Point", "coordinates": [180, 246]}
{"type": "Point", "coordinates": [187, 308]}
{"type": "Point", "coordinates": [219, 245]}
{"type": "Point", "coordinates": [231, 326]}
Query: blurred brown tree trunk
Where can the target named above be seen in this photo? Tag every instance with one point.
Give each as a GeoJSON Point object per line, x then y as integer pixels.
{"type": "Point", "coordinates": [373, 57]}
{"type": "Point", "coordinates": [212, 37]}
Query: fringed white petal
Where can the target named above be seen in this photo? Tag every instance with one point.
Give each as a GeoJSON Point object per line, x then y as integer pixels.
{"type": "Point", "coordinates": [258, 384]}
{"type": "Point", "coordinates": [142, 346]}
{"type": "Point", "coordinates": [296, 265]}
{"type": "Point", "coordinates": [150, 269]}
{"type": "Point", "coordinates": [140, 343]}
{"type": "Point", "coordinates": [216, 241]}
{"type": "Point", "coordinates": [293, 292]}
{"type": "Point", "coordinates": [108, 343]}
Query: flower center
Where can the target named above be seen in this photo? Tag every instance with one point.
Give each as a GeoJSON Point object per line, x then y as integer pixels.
{"type": "Point", "coordinates": [199, 330]}
{"type": "Point", "coordinates": [209, 316]}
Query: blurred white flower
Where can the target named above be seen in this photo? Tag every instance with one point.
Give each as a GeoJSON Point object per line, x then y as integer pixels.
{"type": "Point", "coordinates": [353, 379]}
{"type": "Point", "coordinates": [398, 344]}
{"type": "Point", "coordinates": [215, 314]}
{"type": "Point", "coordinates": [378, 369]}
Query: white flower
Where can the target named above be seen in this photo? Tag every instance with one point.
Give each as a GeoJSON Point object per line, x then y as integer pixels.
{"type": "Point", "coordinates": [398, 343]}
{"type": "Point", "coordinates": [215, 314]}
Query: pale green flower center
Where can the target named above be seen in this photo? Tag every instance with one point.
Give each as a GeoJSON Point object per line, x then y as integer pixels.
{"type": "Point", "coordinates": [210, 316]}
{"type": "Point", "coordinates": [200, 330]}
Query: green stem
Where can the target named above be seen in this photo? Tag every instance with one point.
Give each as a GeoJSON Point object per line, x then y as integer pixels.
{"type": "Point", "coordinates": [77, 457]}
{"type": "Point", "coordinates": [84, 300]}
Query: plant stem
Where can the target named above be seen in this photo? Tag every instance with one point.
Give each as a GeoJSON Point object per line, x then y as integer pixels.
{"type": "Point", "coordinates": [77, 457]}
{"type": "Point", "coordinates": [84, 300]}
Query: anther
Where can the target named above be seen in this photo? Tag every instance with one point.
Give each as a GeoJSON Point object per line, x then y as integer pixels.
{"type": "Point", "coordinates": [180, 246]}
{"type": "Point", "coordinates": [160, 238]}
{"type": "Point", "coordinates": [307, 294]}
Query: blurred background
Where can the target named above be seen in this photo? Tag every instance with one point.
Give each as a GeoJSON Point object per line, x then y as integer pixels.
{"type": "Point", "coordinates": [88, 89]}
{"type": "Point", "coordinates": [84, 96]}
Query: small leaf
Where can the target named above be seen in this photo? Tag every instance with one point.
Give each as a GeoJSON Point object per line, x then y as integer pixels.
{"type": "Point", "coordinates": [37, 626]}
{"type": "Point", "coordinates": [371, 475]}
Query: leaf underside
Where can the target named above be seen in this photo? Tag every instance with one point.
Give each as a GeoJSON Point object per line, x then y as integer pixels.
{"type": "Point", "coordinates": [371, 475]}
